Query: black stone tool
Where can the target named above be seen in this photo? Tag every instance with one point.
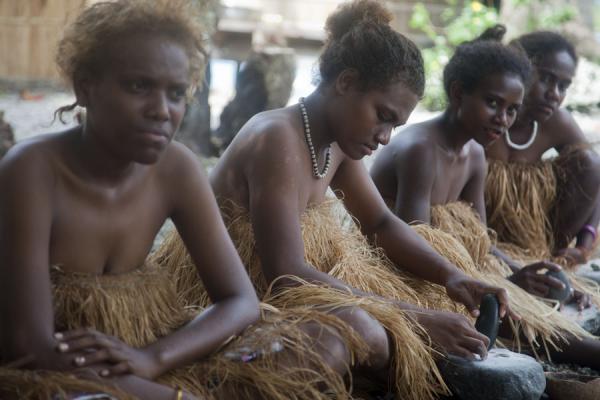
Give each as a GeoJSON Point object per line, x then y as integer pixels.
{"type": "Point", "coordinates": [488, 321]}
{"type": "Point", "coordinates": [559, 294]}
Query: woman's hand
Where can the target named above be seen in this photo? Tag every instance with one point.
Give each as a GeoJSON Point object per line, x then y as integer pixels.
{"type": "Point", "coordinates": [91, 348]}
{"type": "Point", "coordinates": [453, 333]}
{"type": "Point", "coordinates": [468, 291]}
{"type": "Point", "coordinates": [583, 300]}
{"type": "Point", "coordinates": [535, 283]}
{"type": "Point", "coordinates": [574, 255]}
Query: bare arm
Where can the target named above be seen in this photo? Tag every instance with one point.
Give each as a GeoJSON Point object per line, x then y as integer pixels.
{"type": "Point", "coordinates": [26, 313]}
{"type": "Point", "coordinates": [402, 245]}
{"type": "Point", "coordinates": [235, 305]}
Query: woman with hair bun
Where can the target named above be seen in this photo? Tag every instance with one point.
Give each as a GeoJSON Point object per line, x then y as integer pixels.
{"type": "Point", "coordinates": [272, 184]}
{"type": "Point", "coordinates": [434, 173]}
{"type": "Point", "coordinates": [539, 206]}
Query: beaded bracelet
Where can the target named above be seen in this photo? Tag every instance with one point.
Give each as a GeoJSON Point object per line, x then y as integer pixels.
{"type": "Point", "coordinates": [591, 229]}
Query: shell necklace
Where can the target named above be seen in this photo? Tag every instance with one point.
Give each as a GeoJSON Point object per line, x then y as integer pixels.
{"type": "Point", "coordinates": [311, 148]}
{"type": "Point", "coordinates": [523, 146]}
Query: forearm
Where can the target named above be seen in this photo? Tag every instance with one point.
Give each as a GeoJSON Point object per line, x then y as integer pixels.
{"type": "Point", "coordinates": [205, 333]}
{"type": "Point", "coordinates": [586, 238]}
{"type": "Point", "coordinates": [512, 264]}
{"type": "Point", "coordinates": [314, 276]}
{"type": "Point", "coordinates": [412, 253]}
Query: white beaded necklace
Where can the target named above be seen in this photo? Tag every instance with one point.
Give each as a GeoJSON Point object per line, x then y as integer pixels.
{"type": "Point", "coordinates": [523, 146]}
{"type": "Point", "coordinates": [311, 148]}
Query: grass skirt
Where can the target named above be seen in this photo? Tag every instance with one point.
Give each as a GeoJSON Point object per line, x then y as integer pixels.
{"type": "Point", "coordinates": [142, 306]}
{"type": "Point", "coordinates": [460, 236]}
{"type": "Point", "coordinates": [521, 208]}
{"type": "Point", "coordinates": [344, 253]}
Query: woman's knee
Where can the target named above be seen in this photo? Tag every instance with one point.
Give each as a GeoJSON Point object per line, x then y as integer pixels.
{"type": "Point", "coordinates": [372, 332]}
{"type": "Point", "coordinates": [328, 343]}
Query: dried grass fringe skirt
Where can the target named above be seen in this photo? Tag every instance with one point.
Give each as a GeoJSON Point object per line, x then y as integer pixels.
{"type": "Point", "coordinates": [459, 235]}
{"type": "Point", "coordinates": [142, 306]}
{"type": "Point", "coordinates": [520, 203]}
{"type": "Point", "coordinates": [344, 253]}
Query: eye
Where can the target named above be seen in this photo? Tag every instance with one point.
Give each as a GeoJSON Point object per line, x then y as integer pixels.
{"type": "Point", "coordinates": [545, 77]}
{"type": "Point", "coordinates": [137, 86]}
{"type": "Point", "coordinates": [563, 86]}
{"type": "Point", "coordinates": [492, 102]}
{"type": "Point", "coordinates": [178, 93]}
{"type": "Point", "coordinates": [513, 111]}
{"type": "Point", "coordinates": [384, 117]}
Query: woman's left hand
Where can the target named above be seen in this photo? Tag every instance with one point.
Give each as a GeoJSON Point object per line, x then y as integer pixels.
{"type": "Point", "coordinates": [574, 255]}
{"type": "Point", "coordinates": [469, 291]}
{"type": "Point", "coordinates": [91, 348]}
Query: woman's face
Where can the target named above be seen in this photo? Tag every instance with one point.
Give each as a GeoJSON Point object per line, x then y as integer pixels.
{"type": "Point", "coordinates": [362, 120]}
{"type": "Point", "coordinates": [491, 108]}
{"type": "Point", "coordinates": [136, 106]}
{"type": "Point", "coordinates": [553, 75]}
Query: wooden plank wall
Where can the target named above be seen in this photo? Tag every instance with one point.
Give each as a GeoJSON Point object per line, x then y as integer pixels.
{"type": "Point", "coordinates": [29, 32]}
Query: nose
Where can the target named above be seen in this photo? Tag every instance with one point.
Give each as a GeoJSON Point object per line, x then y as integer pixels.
{"type": "Point", "coordinates": [159, 107]}
{"type": "Point", "coordinates": [501, 118]}
{"type": "Point", "coordinates": [553, 92]}
{"type": "Point", "coordinates": [384, 135]}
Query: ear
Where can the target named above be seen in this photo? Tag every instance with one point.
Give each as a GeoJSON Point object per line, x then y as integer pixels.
{"type": "Point", "coordinates": [456, 93]}
{"type": "Point", "coordinates": [82, 87]}
{"type": "Point", "coordinates": [347, 80]}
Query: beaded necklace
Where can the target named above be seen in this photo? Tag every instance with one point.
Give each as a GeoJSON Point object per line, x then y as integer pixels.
{"type": "Point", "coordinates": [311, 148]}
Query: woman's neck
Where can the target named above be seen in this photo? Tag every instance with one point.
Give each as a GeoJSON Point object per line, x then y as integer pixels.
{"type": "Point", "coordinates": [97, 163]}
{"type": "Point", "coordinates": [316, 109]}
{"type": "Point", "coordinates": [523, 122]}
{"type": "Point", "coordinates": [453, 136]}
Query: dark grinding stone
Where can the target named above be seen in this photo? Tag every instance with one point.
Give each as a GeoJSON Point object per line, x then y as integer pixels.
{"type": "Point", "coordinates": [488, 321]}
{"type": "Point", "coordinates": [503, 375]}
{"type": "Point", "coordinates": [559, 294]}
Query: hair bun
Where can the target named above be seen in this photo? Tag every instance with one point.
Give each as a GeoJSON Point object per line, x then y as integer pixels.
{"type": "Point", "coordinates": [351, 14]}
{"type": "Point", "coordinates": [495, 33]}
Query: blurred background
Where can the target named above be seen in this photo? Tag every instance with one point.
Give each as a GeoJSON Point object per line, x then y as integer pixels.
{"type": "Point", "coordinates": [263, 55]}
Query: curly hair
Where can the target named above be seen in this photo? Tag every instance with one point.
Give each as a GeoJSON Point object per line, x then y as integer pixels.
{"type": "Point", "coordinates": [359, 36]}
{"type": "Point", "coordinates": [82, 50]}
{"type": "Point", "coordinates": [486, 55]}
{"type": "Point", "coordinates": [540, 43]}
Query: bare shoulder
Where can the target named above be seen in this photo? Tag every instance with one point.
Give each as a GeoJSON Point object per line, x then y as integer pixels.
{"type": "Point", "coordinates": [414, 145]}
{"type": "Point", "coordinates": [271, 136]}
{"type": "Point", "coordinates": [178, 161]}
{"type": "Point", "coordinates": [476, 152]}
{"type": "Point", "coordinates": [562, 129]}
{"type": "Point", "coordinates": [33, 161]}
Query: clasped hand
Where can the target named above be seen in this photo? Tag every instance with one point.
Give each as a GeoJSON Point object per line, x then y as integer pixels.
{"type": "Point", "coordinates": [107, 355]}
{"type": "Point", "coordinates": [529, 279]}
{"type": "Point", "coordinates": [468, 291]}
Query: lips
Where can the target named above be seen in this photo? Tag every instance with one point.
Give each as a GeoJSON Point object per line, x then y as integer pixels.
{"type": "Point", "coordinates": [546, 108]}
{"type": "Point", "coordinates": [494, 133]}
{"type": "Point", "coordinates": [154, 136]}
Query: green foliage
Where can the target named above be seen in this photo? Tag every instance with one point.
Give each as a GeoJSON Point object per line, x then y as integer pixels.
{"type": "Point", "coordinates": [465, 20]}
{"type": "Point", "coordinates": [460, 23]}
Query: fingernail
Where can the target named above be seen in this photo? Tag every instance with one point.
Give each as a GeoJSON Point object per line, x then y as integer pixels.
{"type": "Point", "coordinates": [80, 360]}
{"type": "Point", "coordinates": [104, 372]}
{"type": "Point", "coordinates": [63, 347]}
{"type": "Point", "coordinates": [58, 336]}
